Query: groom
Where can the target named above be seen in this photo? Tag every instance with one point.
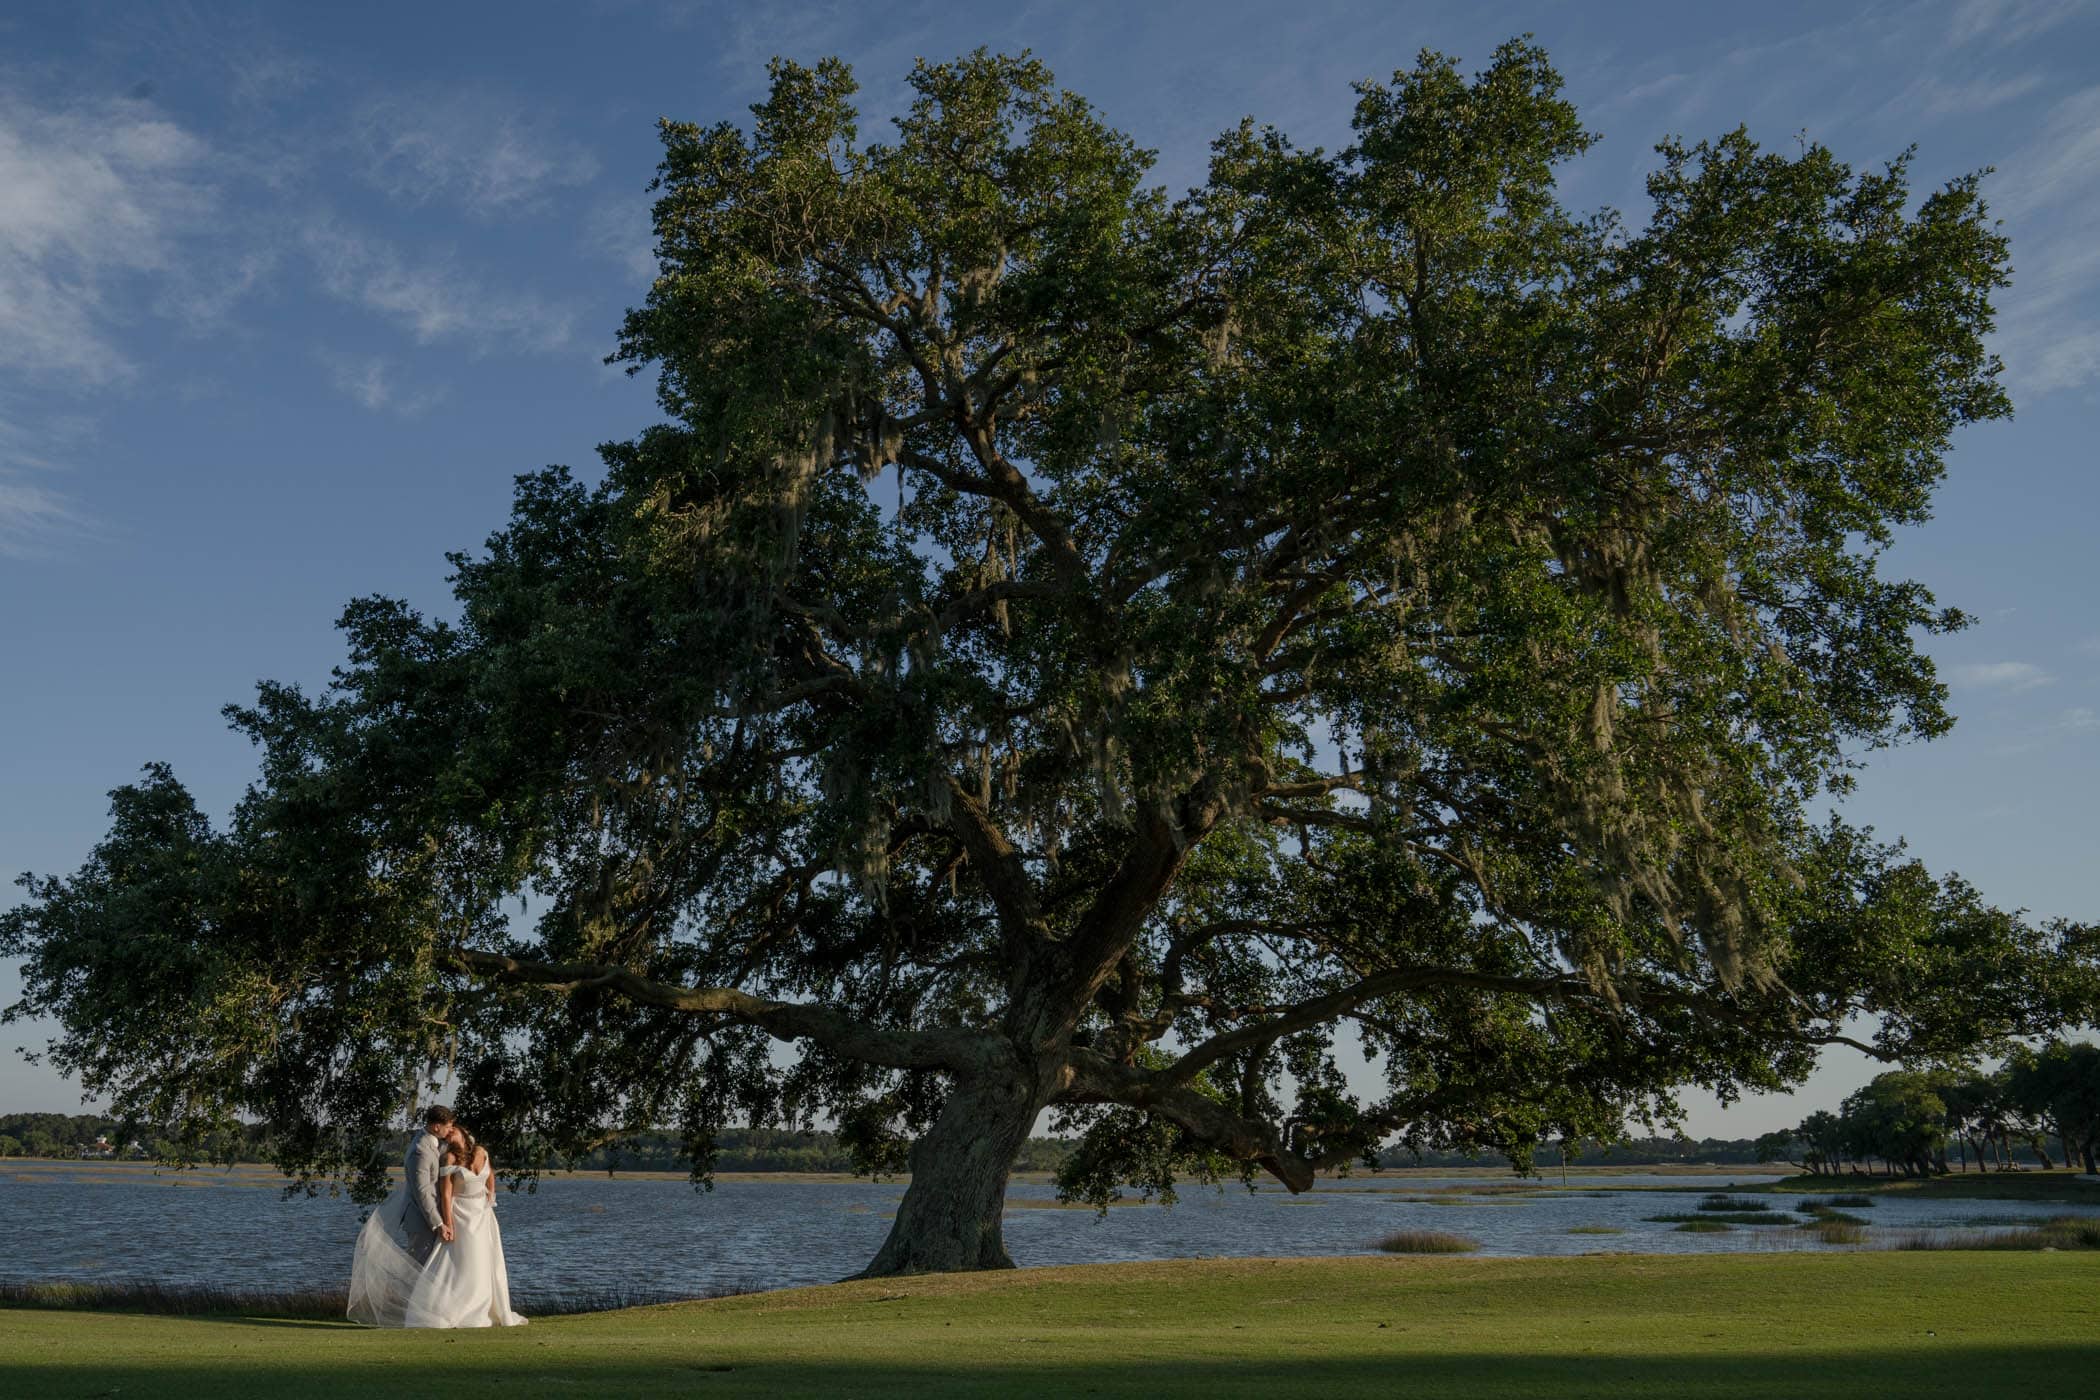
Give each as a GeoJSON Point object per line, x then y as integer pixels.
{"type": "Point", "coordinates": [426, 1158]}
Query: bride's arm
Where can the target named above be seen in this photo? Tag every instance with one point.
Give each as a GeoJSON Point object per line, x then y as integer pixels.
{"type": "Point", "coordinates": [445, 1199]}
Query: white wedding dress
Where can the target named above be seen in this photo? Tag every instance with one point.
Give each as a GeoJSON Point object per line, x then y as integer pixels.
{"type": "Point", "coordinates": [463, 1284]}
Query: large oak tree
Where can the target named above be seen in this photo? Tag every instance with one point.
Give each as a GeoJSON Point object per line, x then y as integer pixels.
{"type": "Point", "coordinates": [1070, 647]}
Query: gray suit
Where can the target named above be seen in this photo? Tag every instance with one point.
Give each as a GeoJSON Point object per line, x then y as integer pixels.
{"type": "Point", "coordinates": [420, 1217]}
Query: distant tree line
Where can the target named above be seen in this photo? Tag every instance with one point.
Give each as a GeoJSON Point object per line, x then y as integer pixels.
{"type": "Point", "coordinates": [67, 1134]}
{"type": "Point", "coordinates": [1907, 1122]}
{"type": "Point", "coordinates": [63, 1135]}
{"type": "Point", "coordinates": [1629, 1152]}
{"type": "Point", "coordinates": [2040, 1108]}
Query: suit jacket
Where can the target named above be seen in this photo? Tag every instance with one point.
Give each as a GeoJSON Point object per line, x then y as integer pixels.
{"type": "Point", "coordinates": [420, 1217]}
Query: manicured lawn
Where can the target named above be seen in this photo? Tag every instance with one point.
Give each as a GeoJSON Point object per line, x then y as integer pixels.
{"type": "Point", "coordinates": [1803, 1326]}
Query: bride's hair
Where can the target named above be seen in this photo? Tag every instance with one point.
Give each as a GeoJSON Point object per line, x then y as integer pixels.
{"type": "Point", "coordinates": [467, 1147]}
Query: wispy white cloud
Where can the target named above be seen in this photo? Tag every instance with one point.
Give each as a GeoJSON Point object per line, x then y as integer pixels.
{"type": "Point", "coordinates": [31, 517]}
{"type": "Point", "coordinates": [1933, 95]}
{"type": "Point", "coordinates": [480, 151]}
{"type": "Point", "coordinates": [376, 382]}
{"type": "Point", "coordinates": [2049, 196]}
{"type": "Point", "coordinates": [434, 301]}
{"type": "Point", "coordinates": [201, 294]}
{"type": "Point", "coordinates": [228, 47]}
{"type": "Point", "coordinates": [2078, 719]}
{"type": "Point", "coordinates": [2011, 676]}
{"type": "Point", "coordinates": [2058, 163]}
{"type": "Point", "coordinates": [34, 517]}
{"type": "Point", "coordinates": [622, 231]}
{"type": "Point", "coordinates": [1655, 87]}
{"type": "Point", "coordinates": [263, 74]}
{"type": "Point", "coordinates": [94, 196]}
{"type": "Point", "coordinates": [104, 207]}
{"type": "Point", "coordinates": [2000, 22]}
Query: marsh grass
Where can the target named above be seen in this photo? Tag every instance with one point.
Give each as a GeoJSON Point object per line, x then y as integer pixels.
{"type": "Point", "coordinates": [1747, 1217]}
{"type": "Point", "coordinates": [1707, 1226]}
{"type": "Point", "coordinates": [1737, 1205]}
{"type": "Point", "coordinates": [2026, 1185]}
{"type": "Point", "coordinates": [1837, 1231]}
{"type": "Point", "coordinates": [1829, 1216]}
{"type": "Point", "coordinates": [175, 1299]}
{"type": "Point", "coordinates": [1595, 1230]}
{"type": "Point", "coordinates": [2064, 1232]}
{"type": "Point", "coordinates": [1427, 1242]}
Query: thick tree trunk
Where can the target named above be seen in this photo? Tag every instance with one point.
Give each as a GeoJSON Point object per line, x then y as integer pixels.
{"type": "Point", "coordinates": [950, 1219]}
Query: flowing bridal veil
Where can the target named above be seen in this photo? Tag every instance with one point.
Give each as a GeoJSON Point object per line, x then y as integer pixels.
{"type": "Point", "coordinates": [463, 1284]}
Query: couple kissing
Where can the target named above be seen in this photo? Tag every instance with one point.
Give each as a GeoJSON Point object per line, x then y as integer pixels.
{"type": "Point", "coordinates": [431, 1255]}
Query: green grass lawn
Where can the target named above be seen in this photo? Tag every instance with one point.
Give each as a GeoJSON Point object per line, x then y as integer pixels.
{"type": "Point", "coordinates": [1841, 1326]}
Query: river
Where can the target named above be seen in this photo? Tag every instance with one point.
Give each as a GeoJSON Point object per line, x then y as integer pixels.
{"type": "Point", "coordinates": [580, 1236]}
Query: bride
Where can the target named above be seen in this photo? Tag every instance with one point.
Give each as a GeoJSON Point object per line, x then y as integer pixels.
{"type": "Point", "coordinates": [463, 1282]}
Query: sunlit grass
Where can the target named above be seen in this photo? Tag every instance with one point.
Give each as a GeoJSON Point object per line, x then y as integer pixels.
{"type": "Point", "coordinates": [1812, 1325]}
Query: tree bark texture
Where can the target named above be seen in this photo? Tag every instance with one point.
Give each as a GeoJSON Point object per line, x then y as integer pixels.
{"type": "Point", "coordinates": [951, 1217]}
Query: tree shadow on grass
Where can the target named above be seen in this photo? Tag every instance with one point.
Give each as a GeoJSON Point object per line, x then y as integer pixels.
{"type": "Point", "coordinates": [441, 1371]}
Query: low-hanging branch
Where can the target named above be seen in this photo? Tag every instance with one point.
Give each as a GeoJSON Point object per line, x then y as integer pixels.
{"type": "Point", "coordinates": [835, 1028]}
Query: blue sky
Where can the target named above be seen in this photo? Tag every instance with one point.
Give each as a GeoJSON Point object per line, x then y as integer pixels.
{"type": "Point", "coordinates": [288, 295]}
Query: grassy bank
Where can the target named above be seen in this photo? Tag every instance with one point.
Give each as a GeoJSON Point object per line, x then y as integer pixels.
{"type": "Point", "coordinates": [1960, 1186]}
{"type": "Point", "coordinates": [1810, 1326]}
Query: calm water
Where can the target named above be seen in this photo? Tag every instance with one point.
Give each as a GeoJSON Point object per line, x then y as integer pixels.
{"type": "Point", "coordinates": [580, 1235]}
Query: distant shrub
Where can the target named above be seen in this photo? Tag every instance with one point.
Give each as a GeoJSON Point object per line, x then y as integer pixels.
{"type": "Point", "coordinates": [1427, 1242]}
{"type": "Point", "coordinates": [1827, 1216]}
